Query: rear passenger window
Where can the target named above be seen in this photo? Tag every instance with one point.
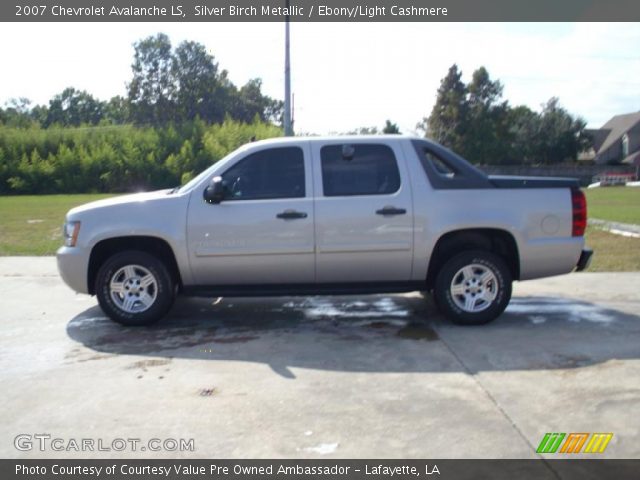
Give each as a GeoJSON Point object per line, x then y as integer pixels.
{"type": "Point", "coordinates": [360, 169]}
{"type": "Point", "coordinates": [272, 173]}
{"type": "Point", "coordinates": [441, 167]}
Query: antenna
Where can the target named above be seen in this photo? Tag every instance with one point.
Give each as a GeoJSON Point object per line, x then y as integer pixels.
{"type": "Point", "coordinates": [288, 127]}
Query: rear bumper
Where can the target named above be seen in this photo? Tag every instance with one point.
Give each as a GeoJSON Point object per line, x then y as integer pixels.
{"type": "Point", "coordinates": [585, 260]}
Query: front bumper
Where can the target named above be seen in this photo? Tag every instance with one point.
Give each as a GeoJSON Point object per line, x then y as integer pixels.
{"type": "Point", "coordinates": [585, 259]}
{"type": "Point", "coordinates": [73, 263]}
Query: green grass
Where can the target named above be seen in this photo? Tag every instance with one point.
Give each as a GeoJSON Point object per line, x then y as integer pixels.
{"type": "Point", "coordinates": [612, 253]}
{"type": "Point", "coordinates": [617, 204]}
{"type": "Point", "coordinates": [32, 224]}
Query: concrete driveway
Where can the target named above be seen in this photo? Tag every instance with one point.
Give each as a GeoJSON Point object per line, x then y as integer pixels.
{"type": "Point", "coordinates": [347, 377]}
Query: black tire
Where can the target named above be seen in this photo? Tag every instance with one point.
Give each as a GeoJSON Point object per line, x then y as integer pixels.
{"type": "Point", "coordinates": [159, 295]}
{"type": "Point", "coordinates": [478, 301]}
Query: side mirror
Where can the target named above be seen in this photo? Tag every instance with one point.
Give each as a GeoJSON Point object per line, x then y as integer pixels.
{"type": "Point", "coordinates": [214, 193]}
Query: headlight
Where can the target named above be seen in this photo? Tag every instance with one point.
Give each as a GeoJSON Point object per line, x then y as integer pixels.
{"type": "Point", "coordinates": [70, 232]}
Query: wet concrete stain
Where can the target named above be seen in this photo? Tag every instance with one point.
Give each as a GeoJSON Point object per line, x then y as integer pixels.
{"type": "Point", "coordinates": [208, 392]}
{"type": "Point", "coordinates": [267, 331]}
{"type": "Point", "coordinates": [561, 361]}
{"type": "Point", "coordinates": [154, 362]}
{"type": "Point", "coordinates": [418, 331]}
{"type": "Point", "coordinates": [205, 331]}
{"type": "Point", "coordinates": [540, 310]}
{"type": "Point", "coordinates": [179, 334]}
{"type": "Point", "coordinates": [78, 355]}
{"type": "Point", "coordinates": [572, 361]}
{"type": "Point", "coordinates": [95, 357]}
{"type": "Point", "coordinates": [235, 339]}
{"type": "Point", "coordinates": [156, 339]}
{"type": "Point", "coordinates": [379, 325]}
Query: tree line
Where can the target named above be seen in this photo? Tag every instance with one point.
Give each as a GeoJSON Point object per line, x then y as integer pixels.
{"type": "Point", "coordinates": [117, 158]}
{"type": "Point", "coordinates": [181, 113]}
{"type": "Point", "coordinates": [168, 86]}
{"type": "Point", "coordinates": [474, 121]}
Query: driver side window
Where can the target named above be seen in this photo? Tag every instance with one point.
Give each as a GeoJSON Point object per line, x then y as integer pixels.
{"type": "Point", "coordinates": [267, 174]}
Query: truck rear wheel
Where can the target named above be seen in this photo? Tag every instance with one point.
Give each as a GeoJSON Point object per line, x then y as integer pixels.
{"type": "Point", "coordinates": [473, 288]}
{"type": "Point", "coordinates": [135, 288]}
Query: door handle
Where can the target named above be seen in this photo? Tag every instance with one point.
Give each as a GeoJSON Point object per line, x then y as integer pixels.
{"type": "Point", "coordinates": [291, 215]}
{"type": "Point", "coordinates": [388, 210]}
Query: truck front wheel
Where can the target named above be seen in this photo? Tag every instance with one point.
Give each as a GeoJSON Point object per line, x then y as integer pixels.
{"type": "Point", "coordinates": [134, 288]}
{"type": "Point", "coordinates": [473, 288]}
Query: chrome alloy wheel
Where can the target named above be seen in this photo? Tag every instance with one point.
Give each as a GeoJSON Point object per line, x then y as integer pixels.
{"type": "Point", "coordinates": [474, 288]}
{"type": "Point", "coordinates": [133, 288]}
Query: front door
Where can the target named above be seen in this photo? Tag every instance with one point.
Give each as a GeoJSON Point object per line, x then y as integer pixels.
{"type": "Point", "coordinates": [263, 230]}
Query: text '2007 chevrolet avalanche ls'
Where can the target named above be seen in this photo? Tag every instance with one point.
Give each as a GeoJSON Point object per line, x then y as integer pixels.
{"type": "Point", "coordinates": [339, 215]}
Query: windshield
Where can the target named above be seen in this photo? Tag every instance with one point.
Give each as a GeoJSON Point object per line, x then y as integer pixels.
{"type": "Point", "coordinates": [204, 174]}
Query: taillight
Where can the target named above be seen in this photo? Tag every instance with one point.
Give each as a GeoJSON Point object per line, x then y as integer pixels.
{"type": "Point", "coordinates": [579, 209]}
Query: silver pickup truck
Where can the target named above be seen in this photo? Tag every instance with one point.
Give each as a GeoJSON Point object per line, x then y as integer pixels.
{"type": "Point", "coordinates": [337, 215]}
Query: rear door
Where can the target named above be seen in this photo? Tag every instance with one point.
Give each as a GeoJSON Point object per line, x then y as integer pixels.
{"type": "Point", "coordinates": [363, 212]}
{"type": "Point", "coordinates": [262, 232]}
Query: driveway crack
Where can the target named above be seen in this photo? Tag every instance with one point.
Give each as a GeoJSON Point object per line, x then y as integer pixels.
{"type": "Point", "coordinates": [495, 402]}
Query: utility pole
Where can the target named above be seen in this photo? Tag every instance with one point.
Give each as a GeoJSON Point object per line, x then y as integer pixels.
{"type": "Point", "coordinates": [288, 127]}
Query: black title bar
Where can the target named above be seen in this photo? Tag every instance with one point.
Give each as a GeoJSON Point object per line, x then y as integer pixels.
{"type": "Point", "coordinates": [319, 10]}
{"type": "Point", "coordinates": [541, 469]}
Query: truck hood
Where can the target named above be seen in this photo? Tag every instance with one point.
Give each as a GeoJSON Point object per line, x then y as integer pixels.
{"type": "Point", "coordinates": [121, 200]}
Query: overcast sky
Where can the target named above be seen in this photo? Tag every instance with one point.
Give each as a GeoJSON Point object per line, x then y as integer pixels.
{"type": "Point", "coordinates": [348, 75]}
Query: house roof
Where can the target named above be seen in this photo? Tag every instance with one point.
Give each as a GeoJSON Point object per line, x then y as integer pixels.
{"type": "Point", "coordinates": [617, 126]}
{"type": "Point", "coordinates": [633, 159]}
{"type": "Point", "coordinates": [598, 136]}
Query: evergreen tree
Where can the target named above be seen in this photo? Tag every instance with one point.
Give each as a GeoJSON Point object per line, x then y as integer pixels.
{"type": "Point", "coordinates": [487, 130]}
{"type": "Point", "coordinates": [390, 128]}
{"type": "Point", "coordinates": [448, 119]}
{"type": "Point", "coordinates": [74, 107]}
{"type": "Point", "coordinates": [152, 91]}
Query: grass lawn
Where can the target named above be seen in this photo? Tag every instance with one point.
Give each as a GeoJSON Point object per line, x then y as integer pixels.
{"type": "Point", "coordinates": [32, 224]}
{"type": "Point", "coordinates": [612, 253]}
{"type": "Point", "coordinates": [618, 204]}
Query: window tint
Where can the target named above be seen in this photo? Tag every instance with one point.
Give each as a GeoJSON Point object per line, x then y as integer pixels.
{"type": "Point", "coordinates": [365, 170]}
{"type": "Point", "coordinates": [273, 173]}
{"type": "Point", "coordinates": [441, 166]}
